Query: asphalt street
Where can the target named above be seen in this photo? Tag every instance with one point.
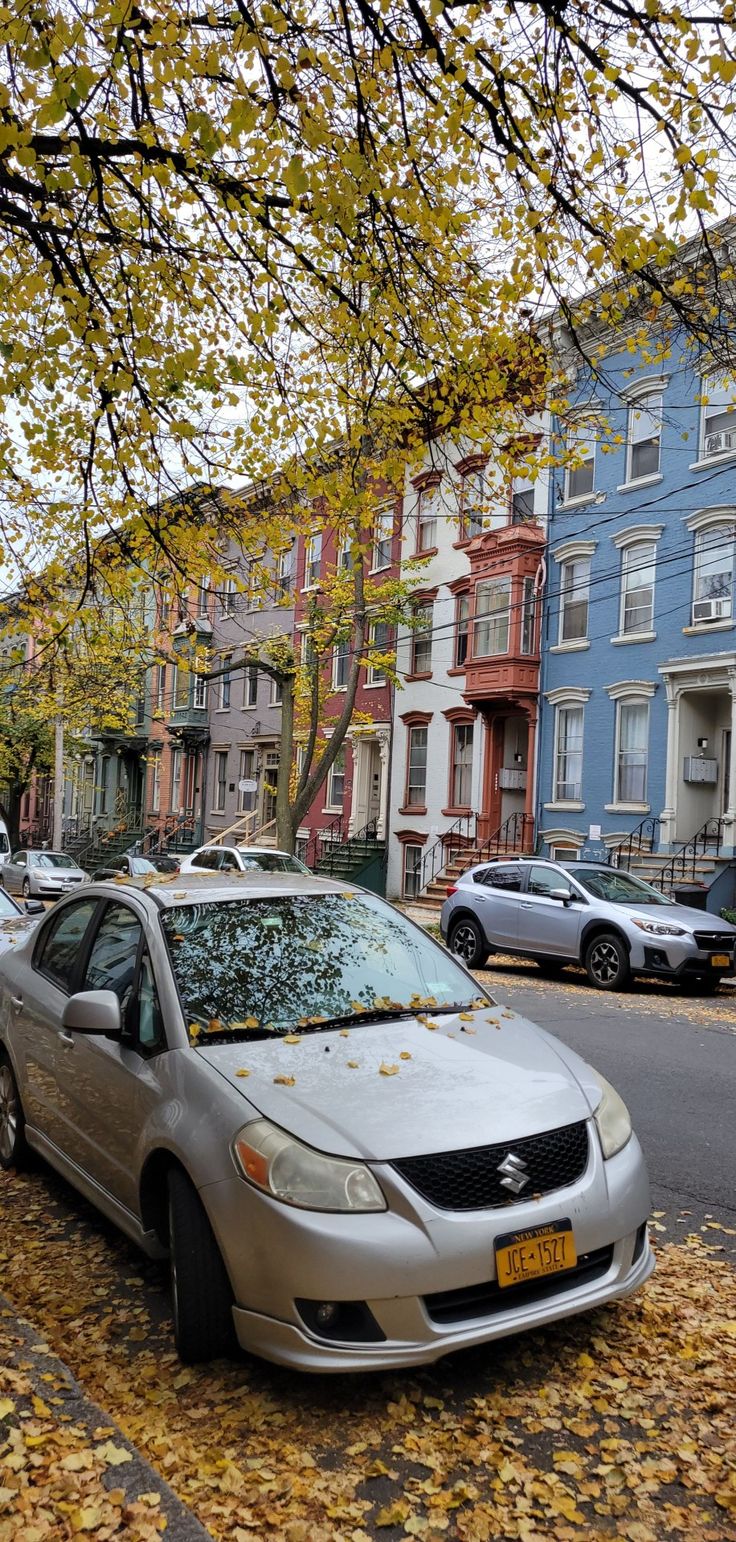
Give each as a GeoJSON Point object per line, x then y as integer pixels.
{"type": "Point", "coordinates": [672, 1058]}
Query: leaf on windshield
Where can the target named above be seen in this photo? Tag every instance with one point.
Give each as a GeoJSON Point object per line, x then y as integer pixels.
{"type": "Point", "coordinates": [388, 1070]}
{"type": "Point", "coordinates": [242, 1071]}
{"type": "Point", "coordinates": [291, 1038]}
{"type": "Point", "coordinates": [357, 1006]}
{"type": "Point", "coordinates": [404, 1055]}
{"type": "Point", "coordinates": [214, 1025]}
{"type": "Point", "coordinates": [465, 1017]}
{"type": "Point", "coordinates": [353, 1064]}
{"type": "Point", "coordinates": [285, 1081]}
{"type": "Point", "coordinates": [470, 1030]}
{"type": "Point", "coordinates": [344, 1033]}
{"type": "Point", "coordinates": [194, 1030]}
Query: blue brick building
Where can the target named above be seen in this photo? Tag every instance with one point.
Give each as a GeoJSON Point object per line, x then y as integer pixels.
{"type": "Point", "coordinates": [638, 686]}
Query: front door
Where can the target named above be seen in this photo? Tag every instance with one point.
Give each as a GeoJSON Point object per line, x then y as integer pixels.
{"type": "Point", "coordinates": [726, 771]}
{"type": "Point", "coordinates": [374, 782]}
{"type": "Point", "coordinates": [547, 925]}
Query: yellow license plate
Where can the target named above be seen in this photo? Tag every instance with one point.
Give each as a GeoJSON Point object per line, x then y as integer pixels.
{"type": "Point", "coordinates": [527, 1255]}
{"type": "Point", "coordinates": [720, 960]}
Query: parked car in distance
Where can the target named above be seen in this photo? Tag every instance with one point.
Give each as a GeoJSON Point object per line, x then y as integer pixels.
{"type": "Point", "coordinates": [15, 920]}
{"type": "Point", "coordinates": [168, 862]}
{"type": "Point", "coordinates": [604, 918]}
{"type": "Point", "coordinates": [126, 866]}
{"type": "Point", "coordinates": [41, 874]}
{"type": "Point", "coordinates": [4, 842]}
{"type": "Point", "coordinates": [241, 859]}
{"type": "Point", "coordinates": [353, 1158]}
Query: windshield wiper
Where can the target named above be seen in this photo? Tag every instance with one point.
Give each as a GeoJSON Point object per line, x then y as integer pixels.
{"type": "Point", "coordinates": [348, 1019]}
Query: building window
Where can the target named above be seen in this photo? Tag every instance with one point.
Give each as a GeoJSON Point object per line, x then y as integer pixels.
{"type": "Point", "coordinates": [203, 602]}
{"type": "Point", "coordinates": [719, 418]}
{"type": "Point", "coordinates": [568, 784]}
{"type": "Point", "coordinates": [528, 616]}
{"type": "Point", "coordinates": [312, 559]}
{"type": "Point", "coordinates": [247, 783]}
{"type": "Point", "coordinates": [412, 871]}
{"type": "Point", "coordinates": [462, 629]}
{"type": "Point", "coordinates": [220, 780]}
{"type": "Point", "coordinates": [225, 684]}
{"type": "Point", "coordinates": [574, 597]}
{"type": "Point", "coordinates": [250, 686]}
{"type": "Point", "coordinates": [713, 586]}
{"type": "Point", "coordinates": [200, 692]}
{"type": "Point", "coordinates": [637, 587]}
{"type": "Point", "coordinates": [379, 643]}
{"type": "Point", "coordinates": [336, 781]}
{"type": "Point", "coordinates": [383, 533]}
{"type": "Point", "coordinates": [427, 518]}
{"type": "Point", "coordinates": [270, 785]}
{"type": "Point", "coordinates": [421, 639]}
{"type": "Point", "coordinates": [632, 740]}
{"type": "Point", "coordinates": [156, 784]}
{"type": "Point", "coordinates": [177, 760]}
{"type": "Point", "coordinates": [285, 573]}
{"type": "Point", "coordinates": [462, 765]}
{"type": "Point", "coordinates": [580, 477]}
{"type": "Point", "coordinates": [181, 688]}
{"type": "Point", "coordinates": [416, 770]}
{"type": "Point", "coordinates": [645, 436]}
{"type": "Point", "coordinates": [472, 503]}
{"type": "Point", "coordinates": [492, 617]}
{"type": "Point", "coordinates": [226, 598]}
{"type": "Point", "coordinates": [277, 693]}
{"type": "Point", "coordinates": [522, 502]}
{"type": "Point", "coordinates": [161, 689]}
{"type": "Point", "coordinates": [340, 664]}
{"type": "Point", "coordinates": [345, 556]}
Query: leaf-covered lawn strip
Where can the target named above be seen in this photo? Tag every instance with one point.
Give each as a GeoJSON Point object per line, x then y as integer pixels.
{"type": "Point", "coordinates": [653, 998]}
{"type": "Point", "coordinates": [618, 1424]}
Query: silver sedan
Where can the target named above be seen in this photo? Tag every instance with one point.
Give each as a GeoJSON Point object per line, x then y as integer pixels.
{"type": "Point", "coordinates": [351, 1155]}
{"type": "Point", "coordinates": [41, 874]}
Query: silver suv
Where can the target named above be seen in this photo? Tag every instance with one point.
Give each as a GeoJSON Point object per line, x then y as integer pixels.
{"type": "Point", "coordinates": [608, 920]}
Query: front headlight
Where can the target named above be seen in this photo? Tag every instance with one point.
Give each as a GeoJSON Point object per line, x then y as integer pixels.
{"type": "Point", "coordinates": [612, 1119]}
{"type": "Point", "coordinates": [281, 1166]}
{"type": "Point", "coordinates": [660, 928]}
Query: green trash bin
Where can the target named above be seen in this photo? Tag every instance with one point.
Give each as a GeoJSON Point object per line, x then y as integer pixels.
{"type": "Point", "coordinates": [692, 894]}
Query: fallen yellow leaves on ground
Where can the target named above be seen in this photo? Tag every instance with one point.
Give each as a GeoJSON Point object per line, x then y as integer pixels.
{"type": "Point", "coordinates": [617, 1426]}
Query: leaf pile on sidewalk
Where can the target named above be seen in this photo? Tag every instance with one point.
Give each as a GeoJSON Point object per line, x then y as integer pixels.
{"type": "Point", "coordinates": [617, 1425]}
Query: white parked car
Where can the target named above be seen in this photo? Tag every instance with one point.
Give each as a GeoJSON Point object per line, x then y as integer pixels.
{"type": "Point", "coordinates": [241, 859]}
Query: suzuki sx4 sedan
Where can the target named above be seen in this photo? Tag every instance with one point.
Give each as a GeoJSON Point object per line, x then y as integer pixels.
{"type": "Point", "coordinates": [352, 1156]}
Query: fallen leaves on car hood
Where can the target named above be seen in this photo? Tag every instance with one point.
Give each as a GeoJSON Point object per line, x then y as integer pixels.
{"type": "Point", "coordinates": [617, 1425]}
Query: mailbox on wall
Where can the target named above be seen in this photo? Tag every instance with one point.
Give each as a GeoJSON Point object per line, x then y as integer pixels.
{"type": "Point", "coordinates": [698, 768]}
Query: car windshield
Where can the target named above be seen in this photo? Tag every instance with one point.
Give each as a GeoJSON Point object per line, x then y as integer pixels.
{"type": "Point", "coordinates": [271, 862]}
{"type": "Point", "coordinates": [297, 961]}
{"type": "Point", "coordinates": [619, 888]}
{"type": "Point", "coordinates": [50, 859]}
{"type": "Point", "coordinates": [8, 906]}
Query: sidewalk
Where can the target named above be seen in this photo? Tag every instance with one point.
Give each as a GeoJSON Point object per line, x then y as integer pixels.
{"type": "Point", "coordinates": [66, 1470]}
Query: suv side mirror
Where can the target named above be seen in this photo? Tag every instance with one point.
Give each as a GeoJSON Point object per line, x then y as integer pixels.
{"type": "Point", "coordinates": [93, 1012]}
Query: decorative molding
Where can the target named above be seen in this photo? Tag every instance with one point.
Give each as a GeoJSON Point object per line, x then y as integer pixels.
{"type": "Point", "coordinates": [706, 519]}
{"type": "Point", "coordinates": [635, 533]}
{"type": "Point", "coordinates": [460, 715]}
{"type": "Point", "coordinates": [570, 550]}
{"type": "Point", "coordinates": [573, 645]}
{"type": "Point", "coordinates": [426, 479]}
{"type": "Point", "coordinates": [412, 837]}
{"type": "Point", "coordinates": [624, 690]}
{"type": "Point", "coordinates": [473, 462]}
{"type": "Point", "coordinates": [416, 718]}
{"type": "Point", "coordinates": [647, 385]}
{"type": "Point", "coordinates": [635, 483]}
{"type": "Point", "coordinates": [568, 695]}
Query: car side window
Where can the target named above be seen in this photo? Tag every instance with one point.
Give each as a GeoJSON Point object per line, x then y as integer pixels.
{"type": "Point", "coordinates": [150, 1025]}
{"type": "Point", "coordinates": [19, 858]}
{"type": "Point", "coordinates": [508, 878]}
{"type": "Point", "coordinates": [228, 862]}
{"type": "Point", "coordinates": [111, 965]}
{"type": "Point", "coordinates": [60, 943]}
{"type": "Point", "coordinates": [542, 880]}
{"type": "Point", "coordinates": [200, 859]}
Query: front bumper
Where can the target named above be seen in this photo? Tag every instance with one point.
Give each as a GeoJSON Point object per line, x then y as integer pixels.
{"type": "Point", "coordinates": [677, 957]}
{"type": "Point", "coordinates": [400, 1262]}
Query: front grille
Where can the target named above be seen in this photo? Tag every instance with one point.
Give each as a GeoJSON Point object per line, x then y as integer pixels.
{"type": "Point", "coordinates": [489, 1299]}
{"type": "Point", "coordinates": [721, 941]}
{"type": "Point", "coordinates": [470, 1180]}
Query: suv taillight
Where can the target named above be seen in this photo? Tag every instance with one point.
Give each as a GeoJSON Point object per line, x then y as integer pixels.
{"type": "Point", "coordinates": [452, 890]}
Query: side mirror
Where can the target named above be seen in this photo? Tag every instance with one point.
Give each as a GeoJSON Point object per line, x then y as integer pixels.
{"type": "Point", "coordinates": [563, 895]}
{"type": "Point", "coordinates": [93, 1012]}
{"type": "Point", "coordinates": [35, 907]}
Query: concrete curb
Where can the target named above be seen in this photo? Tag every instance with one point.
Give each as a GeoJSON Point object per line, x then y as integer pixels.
{"type": "Point", "coordinates": [27, 1352]}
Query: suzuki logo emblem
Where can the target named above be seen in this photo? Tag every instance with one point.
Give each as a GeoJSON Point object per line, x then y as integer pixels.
{"type": "Point", "coordinates": [516, 1175]}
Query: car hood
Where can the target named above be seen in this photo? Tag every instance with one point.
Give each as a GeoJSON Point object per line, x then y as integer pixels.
{"type": "Point", "coordinates": [15, 929]}
{"type": "Point", "coordinates": [679, 915]}
{"type": "Point", "coordinates": [463, 1084]}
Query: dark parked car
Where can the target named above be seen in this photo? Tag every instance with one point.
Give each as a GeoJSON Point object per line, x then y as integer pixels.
{"type": "Point", "coordinates": [125, 867]}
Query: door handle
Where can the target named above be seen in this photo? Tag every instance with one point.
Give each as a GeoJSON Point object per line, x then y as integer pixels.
{"type": "Point", "coordinates": [16, 1002]}
{"type": "Point", "coordinates": [526, 906]}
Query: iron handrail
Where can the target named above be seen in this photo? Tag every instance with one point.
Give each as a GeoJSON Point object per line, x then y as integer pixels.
{"type": "Point", "coordinates": [368, 832]}
{"type": "Point", "coordinates": [682, 862]}
{"type": "Point", "coordinates": [511, 835]}
{"type": "Point", "coordinates": [460, 834]}
{"type": "Point", "coordinates": [643, 836]}
{"type": "Point", "coordinates": [331, 835]}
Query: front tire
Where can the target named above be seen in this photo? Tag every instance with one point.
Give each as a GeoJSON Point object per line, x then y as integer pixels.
{"type": "Point", "coordinates": [13, 1148]}
{"type": "Point", "coordinates": [26, 888]}
{"type": "Point", "coordinates": [467, 942]}
{"type": "Point", "coordinates": [201, 1294]}
{"type": "Point", "coordinates": [607, 962]}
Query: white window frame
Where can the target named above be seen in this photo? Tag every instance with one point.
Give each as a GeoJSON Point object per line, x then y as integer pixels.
{"type": "Point", "coordinates": [423, 607]}
{"type": "Point", "coordinates": [564, 707]}
{"type": "Point", "coordinates": [226, 598]}
{"type": "Point", "coordinates": [497, 623]}
{"type": "Point", "coordinates": [529, 612]}
{"type": "Point", "coordinates": [579, 588]}
{"type": "Point", "coordinates": [242, 806]}
{"type": "Point", "coordinates": [413, 729]}
{"type": "Point", "coordinates": [341, 664]}
{"type": "Point", "coordinates": [201, 693]}
{"type": "Point", "coordinates": [473, 502]}
{"type": "Point", "coordinates": [625, 704]}
{"type": "Point", "coordinates": [181, 691]}
{"type": "Point", "coordinates": [427, 517]}
{"type": "Point", "coordinates": [312, 559]}
{"type": "Point", "coordinates": [277, 693]}
{"type": "Point", "coordinates": [156, 760]}
{"type": "Point", "coordinates": [285, 572]}
{"type": "Point", "coordinates": [219, 784]}
{"type": "Point", "coordinates": [410, 889]}
{"type": "Point", "coordinates": [581, 435]}
{"type": "Point", "coordinates": [462, 765]}
{"type": "Point", "coordinates": [720, 535]}
{"type": "Point", "coordinates": [203, 598]}
{"type": "Point", "coordinates": [376, 674]}
{"type": "Point", "coordinates": [335, 774]}
{"type": "Point", "coordinates": [225, 684]}
{"type": "Point", "coordinates": [250, 686]}
{"type": "Point", "coordinates": [644, 410]}
{"type": "Point", "coordinates": [629, 569]}
{"type": "Point", "coordinates": [383, 539]}
{"type": "Point", "coordinates": [719, 385]}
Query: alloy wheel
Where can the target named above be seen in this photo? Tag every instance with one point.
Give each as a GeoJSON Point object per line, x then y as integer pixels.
{"type": "Point", "coordinates": [605, 962]}
{"type": "Point", "coordinates": [464, 943]}
{"type": "Point", "coordinates": [8, 1113]}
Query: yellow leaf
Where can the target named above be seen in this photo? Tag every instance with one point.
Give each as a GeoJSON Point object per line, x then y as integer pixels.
{"type": "Point", "coordinates": [6, 1407]}
{"type": "Point", "coordinates": [242, 1071]}
{"type": "Point", "coordinates": [394, 1514]}
{"type": "Point", "coordinates": [285, 1081]}
{"type": "Point", "coordinates": [114, 1455]}
{"type": "Point", "coordinates": [353, 1064]}
{"type": "Point", "coordinates": [388, 1070]}
{"type": "Point", "coordinates": [291, 1038]}
{"type": "Point", "coordinates": [404, 1055]}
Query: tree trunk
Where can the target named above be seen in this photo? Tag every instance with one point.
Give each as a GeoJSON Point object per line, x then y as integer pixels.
{"type": "Point", "coordinates": [285, 822]}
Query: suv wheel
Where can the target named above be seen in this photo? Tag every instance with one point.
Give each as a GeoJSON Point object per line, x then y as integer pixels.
{"type": "Point", "coordinates": [467, 942]}
{"type": "Point", "coordinates": [607, 962]}
{"type": "Point", "coordinates": [13, 1148]}
{"type": "Point", "coordinates": [201, 1295]}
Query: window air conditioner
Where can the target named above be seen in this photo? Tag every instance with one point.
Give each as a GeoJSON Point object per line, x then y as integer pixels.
{"type": "Point", "coordinates": [715, 444]}
{"type": "Point", "coordinates": [712, 610]}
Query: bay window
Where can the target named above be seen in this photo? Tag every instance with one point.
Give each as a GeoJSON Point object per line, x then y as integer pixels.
{"type": "Point", "coordinates": [492, 617]}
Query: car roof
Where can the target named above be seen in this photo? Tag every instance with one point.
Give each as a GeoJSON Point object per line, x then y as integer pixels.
{"type": "Point", "coordinates": [169, 889]}
{"type": "Point", "coordinates": [47, 851]}
{"type": "Point", "coordinates": [256, 851]}
{"type": "Point", "coordinates": [572, 867]}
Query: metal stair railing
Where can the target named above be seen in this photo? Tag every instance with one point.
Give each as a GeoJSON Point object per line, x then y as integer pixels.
{"type": "Point", "coordinates": [339, 850]}
{"type": "Point", "coordinates": [513, 836]}
{"type": "Point", "coordinates": [320, 840]}
{"type": "Point", "coordinates": [681, 865]}
{"type": "Point", "coordinates": [640, 839]}
{"type": "Point", "coordinates": [155, 842]}
{"type": "Point", "coordinates": [460, 836]}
